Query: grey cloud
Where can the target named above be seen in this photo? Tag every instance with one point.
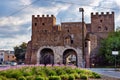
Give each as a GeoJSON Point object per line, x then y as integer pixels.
{"type": "Point", "coordinates": [10, 32]}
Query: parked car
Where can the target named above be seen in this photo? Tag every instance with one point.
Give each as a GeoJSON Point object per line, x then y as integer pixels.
{"type": "Point", "coordinates": [13, 63]}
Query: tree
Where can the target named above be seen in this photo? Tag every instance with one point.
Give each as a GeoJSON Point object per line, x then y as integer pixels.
{"type": "Point", "coordinates": [111, 43]}
{"type": "Point", "coordinates": [20, 51]}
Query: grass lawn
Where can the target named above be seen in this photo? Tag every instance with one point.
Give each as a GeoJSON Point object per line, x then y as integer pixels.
{"type": "Point", "coordinates": [38, 72]}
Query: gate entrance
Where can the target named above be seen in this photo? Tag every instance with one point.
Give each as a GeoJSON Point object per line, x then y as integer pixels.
{"type": "Point", "coordinates": [46, 56]}
{"type": "Point", "coordinates": [70, 57]}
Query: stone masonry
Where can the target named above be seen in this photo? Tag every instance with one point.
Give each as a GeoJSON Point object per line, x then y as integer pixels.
{"type": "Point", "coordinates": [52, 44]}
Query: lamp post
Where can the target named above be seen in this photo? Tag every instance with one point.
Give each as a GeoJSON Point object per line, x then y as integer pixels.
{"type": "Point", "coordinates": [82, 10]}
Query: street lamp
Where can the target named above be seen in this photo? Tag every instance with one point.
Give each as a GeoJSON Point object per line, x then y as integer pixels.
{"type": "Point", "coordinates": [82, 10]}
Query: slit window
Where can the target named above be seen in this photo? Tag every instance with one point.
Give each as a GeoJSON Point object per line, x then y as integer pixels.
{"type": "Point", "coordinates": [85, 44]}
{"type": "Point", "coordinates": [35, 24]}
{"type": "Point", "coordinates": [71, 41]}
{"type": "Point", "coordinates": [68, 30]}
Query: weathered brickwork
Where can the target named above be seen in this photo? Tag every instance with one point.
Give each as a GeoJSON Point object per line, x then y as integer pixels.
{"type": "Point", "coordinates": [58, 41]}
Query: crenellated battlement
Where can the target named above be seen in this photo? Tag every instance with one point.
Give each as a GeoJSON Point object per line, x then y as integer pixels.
{"type": "Point", "coordinates": [102, 22]}
{"type": "Point", "coordinates": [102, 14]}
{"type": "Point", "coordinates": [41, 16]}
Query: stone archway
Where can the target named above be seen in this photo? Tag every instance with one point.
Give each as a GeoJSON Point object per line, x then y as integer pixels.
{"type": "Point", "coordinates": [46, 56]}
{"type": "Point", "coordinates": [70, 57]}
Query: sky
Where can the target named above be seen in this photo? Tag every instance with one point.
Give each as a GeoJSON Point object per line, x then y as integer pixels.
{"type": "Point", "coordinates": [16, 15]}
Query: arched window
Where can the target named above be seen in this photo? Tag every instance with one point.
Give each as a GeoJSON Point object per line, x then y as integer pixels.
{"type": "Point", "coordinates": [99, 28]}
{"type": "Point", "coordinates": [69, 39]}
{"type": "Point", "coordinates": [106, 28]}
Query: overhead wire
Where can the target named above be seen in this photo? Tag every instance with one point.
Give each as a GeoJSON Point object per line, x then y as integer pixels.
{"type": "Point", "coordinates": [57, 1]}
{"type": "Point", "coordinates": [23, 8]}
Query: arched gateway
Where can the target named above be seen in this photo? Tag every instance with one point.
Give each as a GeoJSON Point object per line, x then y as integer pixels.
{"type": "Point", "coordinates": [70, 57]}
{"type": "Point", "coordinates": [46, 56]}
{"type": "Point", "coordinates": [59, 55]}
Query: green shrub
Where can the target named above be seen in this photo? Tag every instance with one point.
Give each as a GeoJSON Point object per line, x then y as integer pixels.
{"type": "Point", "coordinates": [70, 70]}
{"type": "Point", "coordinates": [83, 76]}
{"type": "Point", "coordinates": [22, 78]}
{"type": "Point", "coordinates": [14, 74]}
{"type": "Point", "coordinates": [27, 74]}
{"type": "Point", "coordinates": [64, 77]}
{"type": "Point", "coordinates": [50, 73]}
{"type": "Point", "coordinates": [54, 78]}
{"type": "Point", "coordinates": [41, 73]}
{"type": "Point", "coordinates": [91, 76]}
{"type": "Point", "coordinates": [78, 70]}
{"type": "Point", "coordinates": [76, 75]}
{"type": "Point", "coordinates": [39, 78]}
{"type": "Point", "coordinates": [12, 79]}
{"type": "Point", "coordinates": [60, 71]}
{"type": "Point", "coordinates": [3, 78]}
{"type": "Point", "coordinates": [96, 75]}
{"type": "Point", "coordinates": [3, 73]}
{"type": "Point", "coordinates": [71, 77]}
{"type": "Point", "coordinates": [55, 73]}
{"type": "Point", "coordinates": [46, 78]}
{"type": "Point", "coordinates": [30, 77]}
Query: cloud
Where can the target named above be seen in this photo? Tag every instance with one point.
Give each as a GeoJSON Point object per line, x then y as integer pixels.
{"type": "Point", "coordinates": [10, 43]}
{"type": "Point", "coordinates": [16, 28]}
{"type": "Point", "coordinates": [25, 2]}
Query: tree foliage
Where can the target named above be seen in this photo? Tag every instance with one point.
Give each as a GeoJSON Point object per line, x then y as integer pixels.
{"type": "Point", "coordinates": [19, 51]}
{"type": "Point", "coordinates": [111, 43]}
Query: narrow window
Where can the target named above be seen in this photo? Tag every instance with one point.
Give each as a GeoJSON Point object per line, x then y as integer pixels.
{"type": "Point", "coordinates": [85, 44]}
{"type": "Point", "coordinates": [100, 20]}
{"type": "Point", "coordinates": [68, 30]}
{"type": "Point", "coordinates": [71, 41]}
{"type": "Point", "coordinates": [35, 24]}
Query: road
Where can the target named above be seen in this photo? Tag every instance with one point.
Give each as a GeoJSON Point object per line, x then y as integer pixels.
{"type": "Point", "coordinates": [107, 72]}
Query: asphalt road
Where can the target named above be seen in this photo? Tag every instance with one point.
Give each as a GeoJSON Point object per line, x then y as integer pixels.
{"type": "Point", "coordinates": [111, 72]}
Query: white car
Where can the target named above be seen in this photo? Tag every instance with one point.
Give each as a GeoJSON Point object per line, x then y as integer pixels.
{"type": "Point", "coordinates": [13, 63]}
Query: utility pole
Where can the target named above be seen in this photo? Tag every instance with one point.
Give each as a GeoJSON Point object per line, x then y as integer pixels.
{"type": "Point", "coordinates": [83, 44]}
